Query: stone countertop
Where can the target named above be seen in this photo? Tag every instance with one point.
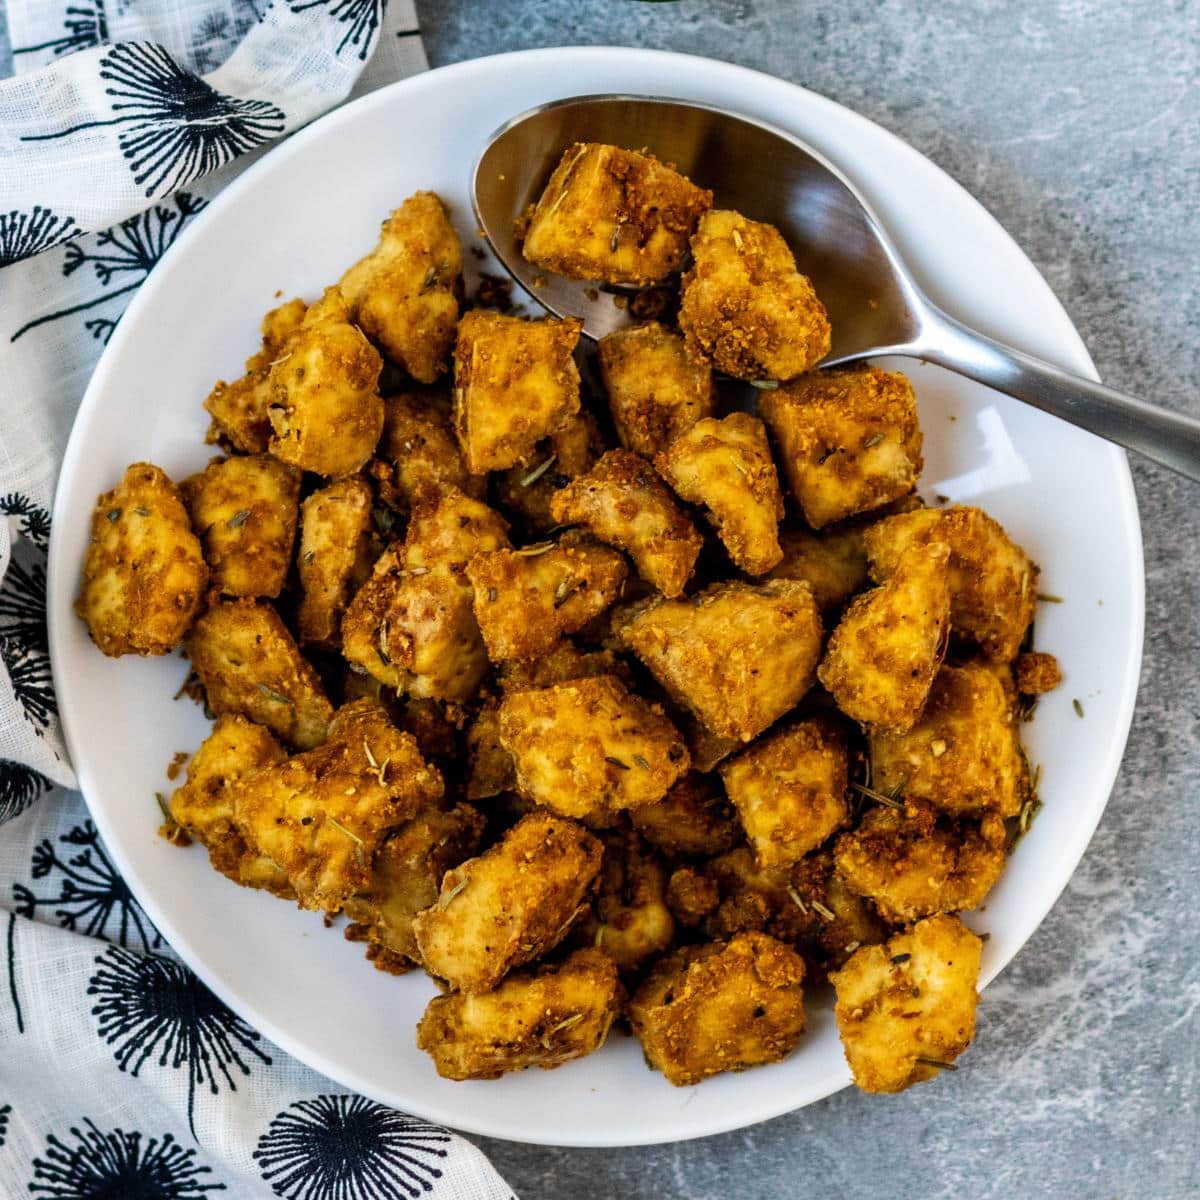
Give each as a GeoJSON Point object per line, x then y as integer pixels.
{"type": "Point", "coordinates": [1077, 123]}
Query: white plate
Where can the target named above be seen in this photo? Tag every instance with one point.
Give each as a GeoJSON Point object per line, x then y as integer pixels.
{"type": "Point", "coordinates": [293, 222]}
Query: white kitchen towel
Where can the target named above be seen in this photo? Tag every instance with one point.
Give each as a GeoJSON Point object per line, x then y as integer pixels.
{"type": "Point", "coordinates": [120, 1074]}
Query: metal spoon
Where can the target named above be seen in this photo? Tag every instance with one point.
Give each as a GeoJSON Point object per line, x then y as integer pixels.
{"type": "Point", "coordinates": [874, 304]}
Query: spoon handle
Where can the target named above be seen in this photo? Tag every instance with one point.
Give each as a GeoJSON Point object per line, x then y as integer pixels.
{"type": "Point", "coordinates": [1169, 438]}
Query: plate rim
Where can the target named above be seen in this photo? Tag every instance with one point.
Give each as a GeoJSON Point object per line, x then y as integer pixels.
{"type": "Point", "coordinates": [61, 613]}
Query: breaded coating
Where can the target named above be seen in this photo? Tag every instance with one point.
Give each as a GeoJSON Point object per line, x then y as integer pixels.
{"type": "Point", "coordinates": [144, 575]}
{"type": "Point", "coordinates": [590, 744]}
{"type": "Point", "coordinates": [738, 655]}
{"type": "Point", "coordinates": [334, 558]}
{"type": "Point", "coordinates": [239, 409]}
{"type": "Point", "coordinates": [913, 863]}
{"type": "Point", "coordinates": [510, 905]}
{"type": "Point", "coordinates": [613, 215]}
{"type": "Point", "coordinates": [525, 492]}
{"type": "Point", "coordinates": [726, 466]}
{"type": "Point", "coordinates": [656, 392]}
{"type": "Point", "coordinates": [623, 502]}
{"type": "Point", "coordinates": [693, 818]}
{"type": "Point", "coordinates": [725, 1006]}
{"type": "Point", "coordinates": [833, 563]}
{"type": "Point", "coordinates": [755, 898]}
{"type": "Point", "coordinates": [881, 659]}
{"type": "Point", "coordinates": [490, 768]}
{"type": "Point", "coordinates": [406, 874]}
{"type": "Point", "coordinates": [789, 790]}
{"type": "Point", "coordinates": [321, 816]}
{"type": "Point", "coordinates": [404, 294]}
{"type": "Point", "coordinates": [412, 625]}
{"type": "Point", "coordinates": [247, 662]}
{"type": "Point", "coordinates": [632, 922]}
{"type": "Point", "coordinates": [526, 599]}
{"type": "Point", "coordinates": [203, 806]}
{"type": "Point", "coordinates": [325, 413]}
{"type": "Point", "coordinates": [418, 457]}
{"type": "Point", "coordinates": [745, 307]}
{"type": "Point", "coordinates": [964, 754]}
{"type": "Point", "coordinates": [533, 1019]}
{"type": "Point", "coordinates": [848, 440]}
{"type": "Point", "coordinates": [436, 725]}
{"type": "Point", "coordinates": [907, 1009]}
{"type": "Point", "coordinates": [993, 582]}
{"type": "Point", "coordinates": [562, 662]}
{"type": "Point", "coordinates": [691, 896]}
{"type": "Point", "coordinates": [515, 383]}
{"type": "Point", "coordinates": [1036, 673]}
{"type": "Point", "coordinates": [244, 510]}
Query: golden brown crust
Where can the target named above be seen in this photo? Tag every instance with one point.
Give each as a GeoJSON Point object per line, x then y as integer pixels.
{"type": "Point", "coordinates": [623, 502]}
{"type": "Point", "coordinates": [247, 662]}
{"type": "Point", "coordinates": [964, 754]}
{"type": "Point", "coordinates": [515, 383]}
{"type": "Point", "coordinates": [726, 466]}
{"type": "Point", "coordinates": [656, 392]}
{"type": "Point", "coordinates": [720, 1007]}
{"type": "Point", "coordinates": [848, 440]}
{"type": "Point", "coordinates": [321, 816]}
{"type": "Point", "coordinates": [632, 922]}
{"type": "Point", "coordinates": [1036, 673]}
{"type": "Point", "coordinates": [882, 658]}
{"type": "Point", "coordinates": [533, 1019]}
{"type": "Point", "coordinates": [613, 215]}
{"type": "Point", "coordinates": [693, 818]}
{"type": "Point", "coordinates": [144, 575]}
{"type": "Point", "coordinates": [737, 655]}
{"type": "Point", "coordinates": [833, 563]}
{"type": "Point", "coordinates": [745, 308]}
{"type": "Point", "coordinates": [789, 790]}
{"type": "Point", "coordinates": [906, 1009]}
{"type": "Point", "coordinates": [244, 510]}
{"type": "Point", "coordinates": [993, 582]}
{"type": "Point", "coordinates": [404, 293]}
{"type": "Point", "coordinates": [490, 769]}
{"type": "Point", "coordinates": [691, 896]}
{"type": "Point", "coordinates": [590, 744]}
{"type": "Point", "coordinates": [510, 905]}
{"type": "Point", "coordinates": [754, 898]}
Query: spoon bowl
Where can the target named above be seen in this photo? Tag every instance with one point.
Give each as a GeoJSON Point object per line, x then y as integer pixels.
{"type": "Point", "coordinates": [875, 306]}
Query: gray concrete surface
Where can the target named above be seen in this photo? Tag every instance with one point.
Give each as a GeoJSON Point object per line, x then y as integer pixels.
{"type": "Point", "coordinates": [1077, 123]}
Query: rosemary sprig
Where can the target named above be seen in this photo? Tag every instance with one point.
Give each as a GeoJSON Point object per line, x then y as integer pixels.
{"type": "Point", "coordinates": [538, 471]}
{"type": "Point", "coordinates": [272, 695]}
{"type": "Point", "coordinates": [445, 901]}
{"type": "Point", "coordinates": [238, 519]}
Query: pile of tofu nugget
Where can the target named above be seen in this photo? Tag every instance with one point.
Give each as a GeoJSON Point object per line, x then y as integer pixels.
{"type": "Point", "coordinates": [554, 692]}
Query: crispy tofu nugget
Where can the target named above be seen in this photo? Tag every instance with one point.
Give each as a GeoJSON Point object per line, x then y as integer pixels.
{"type": "Point", "coordinates": [833, 563]}
{"type": "Point", "coordinates": [881, 659]}
{"type": "Point", "coordinates": [725, 1006]}
{"type": "Point", "coordinates": [321, 816]}
{"type": "Point", "coordinates": [964, 754]}
{"type": "Point", "coordinates": [418, 457]}
{"type": "Point", "coordinates": [656, 392]}
{"type": "Point", "coordinates": [515, 383]}
{"type": "Point", "coordinates": [745, 307]}
{"type": "Point", "coordinates": [144, 575]}
{"type": "Point", "coordinates": [590, 744]}
{"type": "Point", "coordinates": [737, 655]}
{"type": "Point", "coordinates": [1036, 673]}
{"type": "Point", "coordinates": [907, 1009]}
{"type": "Point", "coordinates": [405, 877]}
{"type": "Point", "coordinates": [754, 898]}
{"type": "Point", "coordinates": [334, 558]}
{"type": "Point", "coordinates": [693, 818]}
{"type": "Point", "coordinates": [789, 790]}
{"type": "Point", "coordinates": [623, 502]}
{"type": "Point", "coordinates": [726, 466]}
{"type": "Point", "coordinates": [247, 662]}
{"type": "Point", "coordinates": [325, 413]}
{"type": "Point", "coordinates": [490, 769]}
{"type": "Point", "coordinates": [912, 863]}
{"type": "Point", "coordinates": [412, 625]}
{"type": "Point", "coordinates": [236, 748]}
{"type": "Point", "coordinates": [691, 896]}
{"type": "Point", "coordinates": [993, 582]}
{"type": "Point", "coordinates": [244, 510]}
{"type": "Point", "coordinates": [533, 1019]}
{"type": "Point", "coordinates": [526, 599]}
{"type": "Point", "coordinates": [239, 409]}
{"type": "Point", "coordinates": [403, 295]}
{"type": "Point", "coordinates": [562, 662]}
{"type": "Point", "coordinates": [848, 440]}
{"type": "Point", "coordinates": [510, 905]}
{"type": "Point", "coordinates": [613, 215]}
